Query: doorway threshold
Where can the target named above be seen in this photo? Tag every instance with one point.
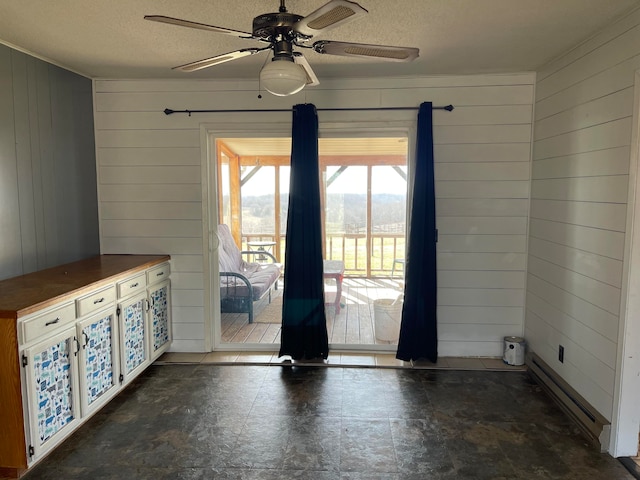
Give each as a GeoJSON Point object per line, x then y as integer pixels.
{"type": "Point", "coordinates": [339, 359]}
{"type": "Point", "coordinates": [632, 464]}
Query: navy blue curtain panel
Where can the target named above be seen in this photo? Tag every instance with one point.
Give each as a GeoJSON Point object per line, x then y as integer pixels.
{"type": "Point", "coordinates": [304, 327]}
{"type": "Point", "coordinates": [418, 328]}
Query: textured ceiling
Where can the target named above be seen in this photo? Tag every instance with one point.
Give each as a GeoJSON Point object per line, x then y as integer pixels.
{"type": "Point", "coordinates": [110, 39]}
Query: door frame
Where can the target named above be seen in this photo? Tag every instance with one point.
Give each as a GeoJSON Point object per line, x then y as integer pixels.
{"type": "Point", "coordinates": [275, 125]}
{"type": "Point", "coordinates": [352, 123]}
{"type": "Point", "coordinates": [626, 413]}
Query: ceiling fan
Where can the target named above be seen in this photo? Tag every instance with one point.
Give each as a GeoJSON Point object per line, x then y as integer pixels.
{"type": "Point", "coordinates": [289, 72]}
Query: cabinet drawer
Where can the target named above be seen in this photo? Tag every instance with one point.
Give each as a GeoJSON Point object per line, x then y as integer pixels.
{"type": "Point", "coordinates": [95, 301]}
{"type": "Point", "coordinates": [44, 323]}
{"type": "Point", "coordinates": [159, 273]}
{"type": "Point", "coordinates": [132, 285]}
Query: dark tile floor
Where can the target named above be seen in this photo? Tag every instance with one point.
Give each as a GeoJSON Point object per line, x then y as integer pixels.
{"type": "Point", "coordinates": [294, 422]}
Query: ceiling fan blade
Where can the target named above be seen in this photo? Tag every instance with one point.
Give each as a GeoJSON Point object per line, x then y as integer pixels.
{"type": "Point", "coordinates": [332, 14]}
{"type": "Point", "coordinates": [225, 57]}
{"type": "Point", "coordinates": [383, 52]}
{"type": "Point", "coordinates": [312, 80]}
{"type": "Point", "coordinates": [201, 26]}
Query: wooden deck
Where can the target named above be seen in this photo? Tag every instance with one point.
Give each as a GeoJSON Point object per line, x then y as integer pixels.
{"type": "Point", "coordinates": [352, 326]}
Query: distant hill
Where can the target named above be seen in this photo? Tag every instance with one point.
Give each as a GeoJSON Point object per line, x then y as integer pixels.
{"type": "Point", "coordinates": [344, 212]}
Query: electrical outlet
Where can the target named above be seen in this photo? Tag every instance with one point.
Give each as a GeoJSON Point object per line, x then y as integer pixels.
{"type": "Point", "coordinates": [561, 353]}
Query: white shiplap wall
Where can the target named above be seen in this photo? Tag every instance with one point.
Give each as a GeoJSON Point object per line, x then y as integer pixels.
{"type": "Point", "coordinates": [150, 187]}
{"type": "Point", "coordinates": [580, 174]}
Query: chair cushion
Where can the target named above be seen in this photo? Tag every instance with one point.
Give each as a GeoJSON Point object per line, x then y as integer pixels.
{"type": "Point", "coordinates": [229, 257]}
{"type": "Point", "coordinates": [261, 276]}
{"type": "Point", "coordinates": [261, 281]}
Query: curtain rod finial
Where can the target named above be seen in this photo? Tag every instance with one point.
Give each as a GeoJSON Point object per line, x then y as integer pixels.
{"type": "Point", "coordinates": [168, 111]}
{"type": "Point", "coordinates": [449, 108]}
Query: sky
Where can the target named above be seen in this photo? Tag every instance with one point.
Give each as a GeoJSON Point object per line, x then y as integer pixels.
{"type": "Point", "coordinates": [351, 180]}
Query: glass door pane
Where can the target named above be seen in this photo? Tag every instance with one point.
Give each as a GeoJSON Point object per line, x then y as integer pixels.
{"type": "Point", "coordinates": [258, 202]}
{"type": "Point", "coordinates": [250, 312]}
{"type": "Point", "coordinates": [346, 217]}
{"type": "Point", "coordinates": [388, 214]}
{"type": "Point", "coordinates": [225, 191]}
{"type": "Point", "coordinates": [285, 176]}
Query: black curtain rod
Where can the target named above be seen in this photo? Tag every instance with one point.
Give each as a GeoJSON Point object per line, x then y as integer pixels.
{"type": "Point", "coordinates": [169, 111]}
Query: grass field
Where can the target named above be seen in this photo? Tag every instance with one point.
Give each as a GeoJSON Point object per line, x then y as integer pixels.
{"type": "Point", "coordinates": [352, 250]}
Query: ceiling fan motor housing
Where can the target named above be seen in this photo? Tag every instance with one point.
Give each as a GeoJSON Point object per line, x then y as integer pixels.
{"type": "Point", "coordinates": [268, 25]}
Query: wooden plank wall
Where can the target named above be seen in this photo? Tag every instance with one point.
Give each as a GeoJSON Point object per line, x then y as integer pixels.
{"type": "Point", "coordinates": [48, 202]}
{"type": "Point", "coordinates": [583, 117]}
{"type": "Point", "coordinates": [149, 174]}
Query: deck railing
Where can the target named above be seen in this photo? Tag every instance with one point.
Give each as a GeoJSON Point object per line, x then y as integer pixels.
{"type": "Point", "coordinates": [383, 247]}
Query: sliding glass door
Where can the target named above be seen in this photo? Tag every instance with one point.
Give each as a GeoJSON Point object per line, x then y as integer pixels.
{"type": "Point", "coordinates": [363, 187]}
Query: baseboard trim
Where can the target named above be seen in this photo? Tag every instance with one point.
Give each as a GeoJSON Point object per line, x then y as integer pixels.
{"type": "Point", "coordinates": [596, 428]}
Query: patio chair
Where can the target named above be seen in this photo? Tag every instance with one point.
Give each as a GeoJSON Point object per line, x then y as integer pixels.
{"type": "Point", "coordinates": [242, 283]}
{"type": "Point", "coordinates": [398, 261]}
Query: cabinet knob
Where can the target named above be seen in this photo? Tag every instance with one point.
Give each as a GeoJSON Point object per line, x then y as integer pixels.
{"type": "Point", "coordinates": [134, 285]}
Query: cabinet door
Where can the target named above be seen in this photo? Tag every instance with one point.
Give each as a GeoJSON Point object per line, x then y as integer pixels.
{"type": "Point", "coordinates": [159, 315]}
{"type": "Point", "coordinates": [133, 337]}
{"type": "Point", "coordinates": [52, 389]}
{"type": "Point", "coordinates": [98, 359]}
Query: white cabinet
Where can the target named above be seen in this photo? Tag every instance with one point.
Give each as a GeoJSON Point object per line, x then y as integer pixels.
{"type": "Point", "coordinates": [47, 322]}
{"type": "Point", "coordinates": [132, 285]}
{"type": "Point", "coordinates": [159, 310]}
{"type": "Point", "coordinates": [71, 337]}
{"type": "Point", "coordinates": [70, 375]}
{"type": "Point", "coordinates": [95, 301]}
{"type": "Point", "coordinates": [98, 362]}
{"type": "Point", "coordinates": [133, 336]}
{"type": "Point", "coordinates": [51, 371]}
{"type": "Point", "coordinates": [144, 312]}
{"type": "Point", "coordinates": [97, 329]}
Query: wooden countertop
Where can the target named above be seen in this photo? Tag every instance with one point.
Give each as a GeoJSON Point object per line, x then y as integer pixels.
{"type": "Point", "coordinates": [25, 294]}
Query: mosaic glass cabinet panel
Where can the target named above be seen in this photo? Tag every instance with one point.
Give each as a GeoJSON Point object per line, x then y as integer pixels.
{"type": "Point", "coordinates": [159, 316]}
{"type": "Point", "coordinates": [133, 333]}
{"type": "Point", "coordinates": [53, 382]}
{"type": "Point", "coordinates": [98, 359]}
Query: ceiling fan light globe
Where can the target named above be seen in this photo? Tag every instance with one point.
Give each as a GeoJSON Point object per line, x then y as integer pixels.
{"type": "Point", "coordinates": [283, 77]}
